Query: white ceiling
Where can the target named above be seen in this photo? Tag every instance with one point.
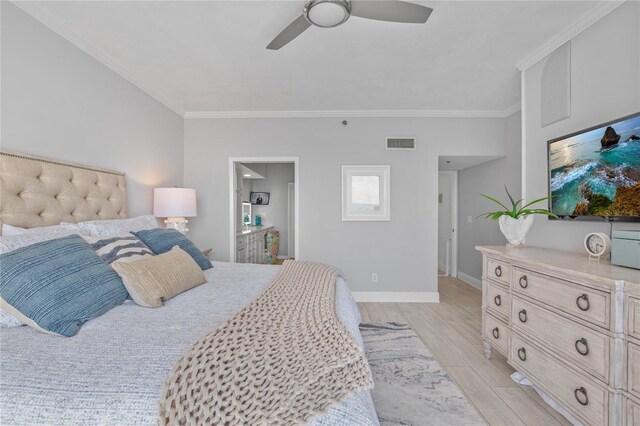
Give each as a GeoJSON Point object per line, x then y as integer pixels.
{"type": "Point", "coordinates": [211, 56]}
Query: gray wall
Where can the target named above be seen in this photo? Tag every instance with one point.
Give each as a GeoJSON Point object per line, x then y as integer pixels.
{"type": "Point", "coordinates": [58, 102]}
{"type": "Point", "coordinates": [605, 84]}
{"type": "Point", "coordinates": [277, 180]}
{"type": "Point", "coordinates": [487, 178]}
{"type": "Point", "coordinates": [403, 251]}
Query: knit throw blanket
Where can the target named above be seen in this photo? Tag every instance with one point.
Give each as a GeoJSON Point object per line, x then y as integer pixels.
{"type": "Point", "coordinates": [285, 358]}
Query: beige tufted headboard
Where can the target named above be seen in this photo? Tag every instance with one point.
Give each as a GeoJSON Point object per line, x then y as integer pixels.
{"type": "Point", "coordinates": [39, 192]}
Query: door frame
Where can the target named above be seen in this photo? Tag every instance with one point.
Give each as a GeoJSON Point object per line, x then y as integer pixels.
{"type": "Point", "coordinates": [232, 201]}
{"type": "Point", "coordinates": [453, 174]}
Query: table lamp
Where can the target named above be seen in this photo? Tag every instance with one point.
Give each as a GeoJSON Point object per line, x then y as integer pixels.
{"type": "Point", "coordinates": [175, 204]}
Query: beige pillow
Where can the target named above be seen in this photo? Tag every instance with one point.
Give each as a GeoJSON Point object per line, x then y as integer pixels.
{"type": "Point", "coordinates": [152, 280]}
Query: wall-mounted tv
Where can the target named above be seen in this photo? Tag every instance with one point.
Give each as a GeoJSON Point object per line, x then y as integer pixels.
{"type": "Point", "coordinates": [594, 174]}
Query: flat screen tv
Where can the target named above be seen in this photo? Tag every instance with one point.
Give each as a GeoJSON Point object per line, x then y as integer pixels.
{"type": "Point", "coordinates": [594, 174]}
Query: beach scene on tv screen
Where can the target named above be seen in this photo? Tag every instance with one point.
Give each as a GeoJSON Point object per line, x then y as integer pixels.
{"type": "Point", "coordinates": [597, 173]}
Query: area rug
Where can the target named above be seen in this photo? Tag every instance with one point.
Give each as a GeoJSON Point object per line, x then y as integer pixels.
{"type": "Point", "coordinates": [411, 388]}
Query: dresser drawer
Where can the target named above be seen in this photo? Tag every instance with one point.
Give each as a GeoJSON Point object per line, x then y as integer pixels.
{"type": "Point", "coordinates": [586, 400]}
{"type": "Point", "coordinates": [496, 333]}
{"type": "Point", "coordinates": [574, 342]}
{"type": "Point", "coordinates": [498, 270]}
{"type": "Point", "coordinates": [633, 369]}
{"type": "Point", "coordinates": [633, 413]}
{"type": "Point", "coordinates": [633, 316]}
{"type": "Point", "coordinates": [497, 298]}
{"type": "Point", "coordinates": [582, 302]}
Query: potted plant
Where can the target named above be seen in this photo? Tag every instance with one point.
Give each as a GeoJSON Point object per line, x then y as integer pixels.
{"type": "Point", "coordinates": [515, 221]}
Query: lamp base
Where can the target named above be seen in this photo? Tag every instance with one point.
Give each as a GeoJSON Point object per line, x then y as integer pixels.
{"type": "Point", "coordinates": [177, 223]}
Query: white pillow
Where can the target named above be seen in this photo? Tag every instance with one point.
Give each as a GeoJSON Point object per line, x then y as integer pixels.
{"type": "Point", "coordinates": [114, 228]}
{"type": "Point", "coordinates": [8, 230]}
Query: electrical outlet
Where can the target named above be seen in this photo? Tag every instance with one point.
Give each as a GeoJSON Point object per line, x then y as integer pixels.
{"type": "Point", "coordinates": [374, 277]}
{"type": "Point", "coordinates": [470, 219]}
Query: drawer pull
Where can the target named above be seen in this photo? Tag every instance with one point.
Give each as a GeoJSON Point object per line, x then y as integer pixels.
{"type": "Point", "coordinates": [523, 281]}
{"type": "Point", "coordinates": [522, 354]}
{"type": "Point", "coordinates": [497, 300]}
{"type": "Point", "coordinates": [584, 399]}
{"type": "Point", "coordinates": [522, 315]}
{"type": "Point", "coordinates": [582, 343]}
{"type": "Point", "coordinates": [495, 332]}
{"type": "Point", "coordinates": [498, 271]}
{"type": "Point", "coordinates": [583, 302]}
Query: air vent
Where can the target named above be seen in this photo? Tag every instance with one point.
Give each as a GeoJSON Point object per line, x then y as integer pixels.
{"type": "Point", "coordinates": [401, 143]}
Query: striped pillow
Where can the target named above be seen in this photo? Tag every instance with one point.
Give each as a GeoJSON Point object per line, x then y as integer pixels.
{"type": "Point", "coordinates": [124, 248]}
{"type": "Point", "coordinates": [55, 286]}
{"type": "Point", "coordinates": [162, 240]}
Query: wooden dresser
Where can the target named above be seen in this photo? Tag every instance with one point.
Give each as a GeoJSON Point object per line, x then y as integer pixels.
{"type": "Point", "coordinates": [569, 324]}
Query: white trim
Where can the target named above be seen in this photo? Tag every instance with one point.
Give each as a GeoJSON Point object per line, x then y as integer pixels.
{"type": "Point", "coordinates": [356, 113]}
{"type": "Point", "coordinates": [232, 204]}
{"type": "Point", "coordinates": [523, 141]}
{"type": "Point", "coordinates": [591, 17]}
{"type": "Point", "coordinates": [58, 26]}
{"type": "Point", "coordinates": [468, 279]}
{"type": "Point", "coordinates": [512, 109]}
{"type": "Point", "coordinates": [397, 296]}
{"type": "Point", "coordinates": [454, 219]}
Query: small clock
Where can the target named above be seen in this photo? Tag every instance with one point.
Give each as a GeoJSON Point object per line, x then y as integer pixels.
{"type": "Point", "coordinates": [597, 244]}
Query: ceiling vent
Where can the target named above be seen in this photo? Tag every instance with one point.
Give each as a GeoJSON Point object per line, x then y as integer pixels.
{"type": "Point", "coordinates": [401, 143]}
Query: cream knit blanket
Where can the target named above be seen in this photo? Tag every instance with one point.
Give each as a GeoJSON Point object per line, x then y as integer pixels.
{"type": "Point", "coordinates": [285, 358]}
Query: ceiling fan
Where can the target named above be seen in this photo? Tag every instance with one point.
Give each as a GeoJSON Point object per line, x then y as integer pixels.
{"type": "Point", "coordinates": [331, 13]}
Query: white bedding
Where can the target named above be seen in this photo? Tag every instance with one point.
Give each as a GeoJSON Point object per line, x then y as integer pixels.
{"type": "Point", "coordinates": [113, 371]}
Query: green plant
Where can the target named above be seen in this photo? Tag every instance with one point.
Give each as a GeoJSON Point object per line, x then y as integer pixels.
{"type": "Point", "coordinates": [515, 211]}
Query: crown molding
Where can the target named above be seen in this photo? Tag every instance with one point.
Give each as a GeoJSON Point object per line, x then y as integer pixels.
{"type": "Point", "coordinates": [57, 26]}
{"type": "Point", "coordinates": [357, 114]}
{"type": "Point", "coordinates": [588, 19]}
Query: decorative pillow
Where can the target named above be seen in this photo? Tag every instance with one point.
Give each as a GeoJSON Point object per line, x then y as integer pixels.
{"type": "Point", "coordinates": [153, 280]}
{"type": "Point", "coordinates": [124, 248]}
{"type": "Point", "coordinates": [7, 320]}
{"type": "Point", "coordinates": [55, 286]}
{"type": "Point", "coordinates": [162, 240]}
{"type": "Point", "coordinates": [113, 228]}
{"type": "Point", "coordinates": [69, 228]}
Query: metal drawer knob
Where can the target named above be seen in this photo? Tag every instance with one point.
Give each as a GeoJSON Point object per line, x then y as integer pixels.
{"type": "Point", "coordinates": [522, 354]}
{"type": "Point", "coordinates": [523, 281]}
{"type": "Point", "coordinates": [581, 396]}
{"type": "Point", "coordinates": [495, 332]}
{"type": "Point", "coordinates": [583, 302]}
{"type": "Point", "coordinates": [497, 300]}
{"type": "Point", "coordinates": [522, 315]}
{"type": "Point", "coordinates": [498, 271]}
{"type": "Point", "coordinates": [582, 346]}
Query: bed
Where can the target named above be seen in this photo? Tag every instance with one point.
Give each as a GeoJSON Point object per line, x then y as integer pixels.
{"type": "Point", "coordinates": [113, 370]}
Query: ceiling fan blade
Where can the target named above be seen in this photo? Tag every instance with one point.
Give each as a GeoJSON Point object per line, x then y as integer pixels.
{"type": "Point", "coordinates": [392, 11]}
{"type": "Point", "coordinates": [297, 27]}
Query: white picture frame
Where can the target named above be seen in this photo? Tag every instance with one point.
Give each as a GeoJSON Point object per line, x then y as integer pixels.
{"type": "Point", "coordinates": [366, 193]}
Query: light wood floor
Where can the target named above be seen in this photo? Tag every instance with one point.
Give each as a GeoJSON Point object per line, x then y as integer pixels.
{"type": "Point", "coordinates": [451, 330]}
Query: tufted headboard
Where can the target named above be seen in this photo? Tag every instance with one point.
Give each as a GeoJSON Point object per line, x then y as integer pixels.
{"type": "Point", "coordinates": [39, 192]}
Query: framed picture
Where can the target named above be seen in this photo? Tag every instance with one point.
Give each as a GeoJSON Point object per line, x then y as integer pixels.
{"type": "Point", "coordinates": [366, 193]}
{"type": "Point", "coordinates": [259, 198]}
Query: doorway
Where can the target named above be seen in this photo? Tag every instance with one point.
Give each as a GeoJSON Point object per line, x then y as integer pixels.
{"type": "Point", "coordinates": [264, 209]}
{"type": "Point", "coordinates": [447, 223]}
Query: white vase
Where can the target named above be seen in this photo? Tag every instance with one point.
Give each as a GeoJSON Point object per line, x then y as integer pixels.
{"type": "Point", "coordinates": [515, 230]}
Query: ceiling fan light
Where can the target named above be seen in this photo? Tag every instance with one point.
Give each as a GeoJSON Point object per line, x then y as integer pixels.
{"type": "Point", "coordinates": [327, 13]}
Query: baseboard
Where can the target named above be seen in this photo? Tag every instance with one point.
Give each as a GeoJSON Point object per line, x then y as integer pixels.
{"type": "Point", "coordinates": [397, 296]}
{"type": "Point", "coordinates": [442, 267]}
{"type": "Point", "coordinates": [474, 282]}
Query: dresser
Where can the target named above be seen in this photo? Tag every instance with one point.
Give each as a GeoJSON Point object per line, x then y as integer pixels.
{"type": "Point", "coordinates": [569, 324]}
{"type": "Point", "coordinates": [250, 244]}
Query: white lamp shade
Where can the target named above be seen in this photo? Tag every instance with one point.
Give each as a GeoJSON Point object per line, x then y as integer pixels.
{"type": "Point", "coordinates": [174, 202]}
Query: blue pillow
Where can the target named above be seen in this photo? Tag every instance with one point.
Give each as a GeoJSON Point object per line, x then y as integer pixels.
{"type": "Point", "coordinates": [57, 285]}
{"type": "Point", "coordinates": [162, 240]}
